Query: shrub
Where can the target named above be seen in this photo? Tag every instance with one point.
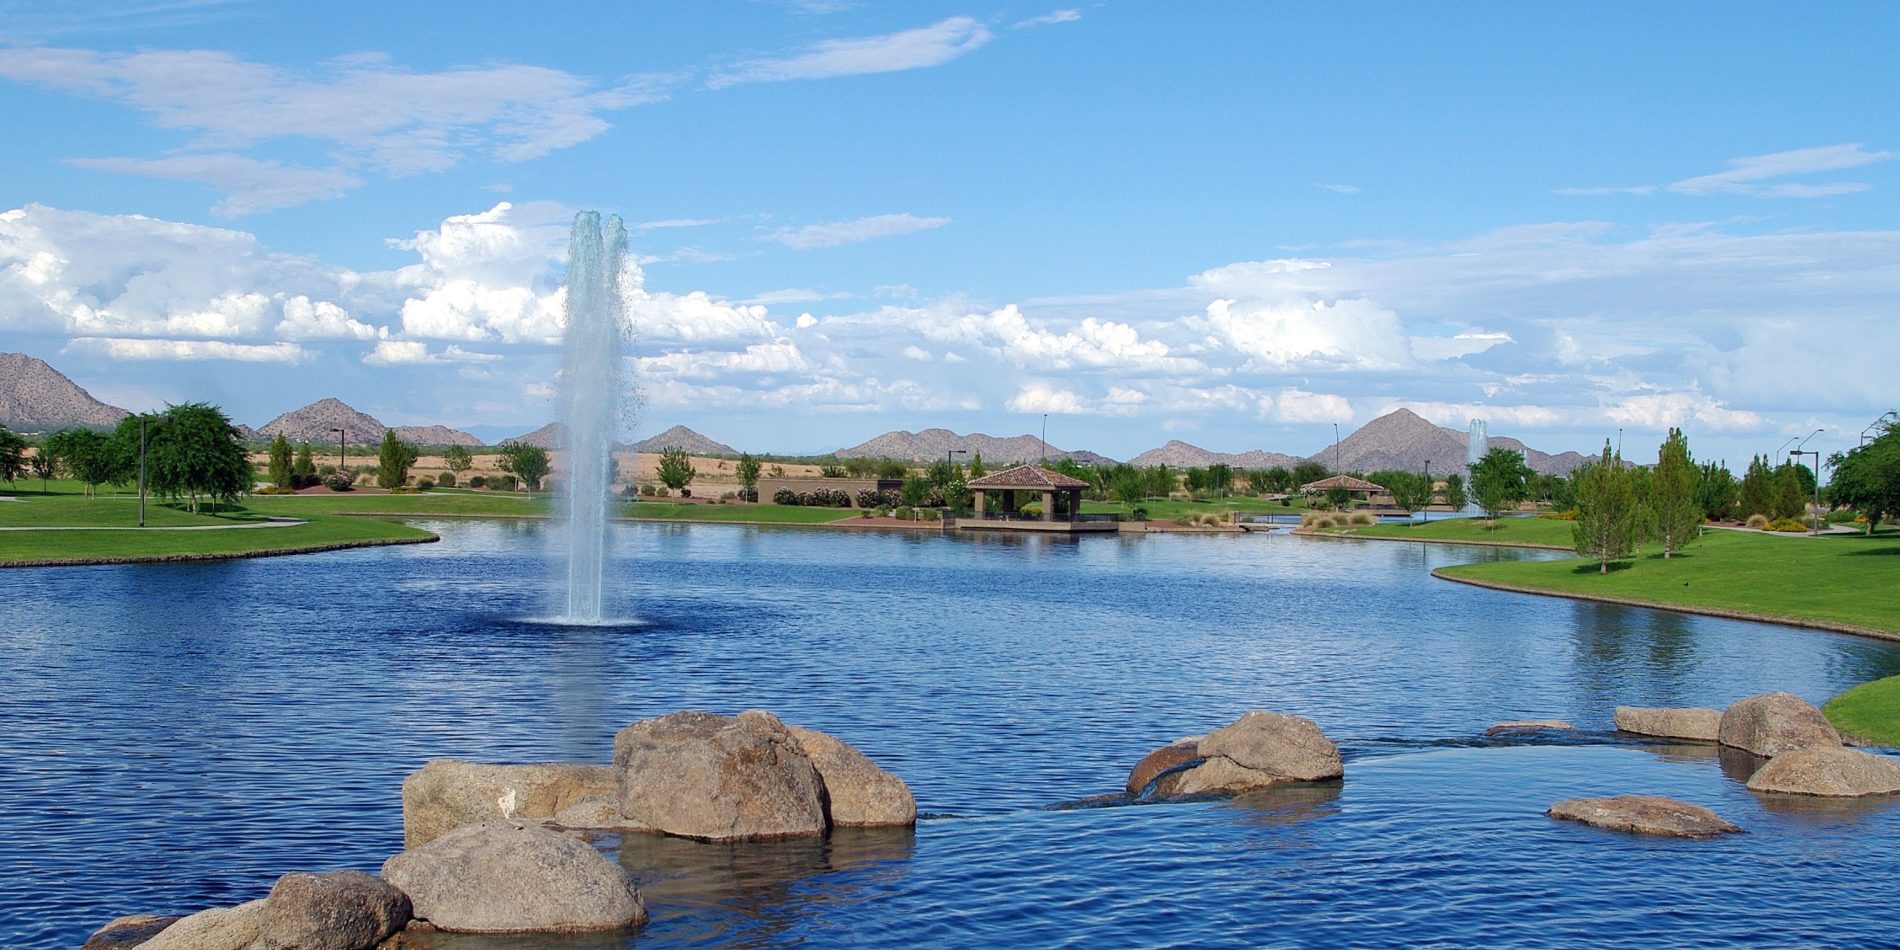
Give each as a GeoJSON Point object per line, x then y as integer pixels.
{"type": "Point", "coordinates": [647, 490]}
{"type": "Point", "coordinates": [1183, 520]}
{"type": "Point", "coordinates": [1286, 502]}
{"type": "Point", "coordinates": [866, 513]}
{"type": "Point", "coordinates": [663, 492]}
{"type": "Point", "coordinates": [326, 471]}
{"type": "Point", "coordinates": [1758, 521]}
{"type": "Point", "coordinates": [1363, 518]}
{"type": "Point", "coordinates": [1788, 525]}
{"type": "Point", "coordinates": [274, 490]}
{"type": "Point", "coordinates": [748, 494]}
{"type": "Point", "coordinates": [501, 482]}
{"type": "Point", "coordinates": [785, 496]}
{"type": "Point", "coordinates": [425, 483]}
{"type": "Point", "coordinates": [1568, 514]}
{"type": "Point", "coordinates": [872, 498]}
{"type": "Point", "coordinates": [404, 490]}
{"type": "Point", "coordinates": [445, 480]}
{"type": "Point", "coordinates": [1845, 516]}
{"type": "Point", "coordinates": [902, 511]}
{"type": "Point", "coordinates": [336, 482]}
{"type": "Point", "coordinates": [1138, 514]}
{"type": "Point", "coordinates": [478, 481]}
{"type": "Point", "coordinates": [1211, 520]}
{"type": "Point", "coordinates": [1340, 521]}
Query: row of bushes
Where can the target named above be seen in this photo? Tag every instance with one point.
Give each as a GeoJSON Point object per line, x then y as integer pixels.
{"type": "Point", "coordinates": [819, 498]}
{"type": "Point", "coordinates": [1358, 519]}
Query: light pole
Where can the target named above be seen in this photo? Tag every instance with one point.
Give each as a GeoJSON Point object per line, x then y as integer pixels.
{"type": "Point", "coordinates": [1619, 442]}
{"type": "Point", "coordinates": [1335, 448]}
{"type": "Point", "coordinates": [1891, 418]}
{"type": "Point", "coordinates": [340, 451]}
{"type": "Point", "coordinates": [1045, 438]}
{"type": "Point", "coordinates": [1797, 453]}
{"type": "Point", "coordinates": [143, 417]}
{"type": "Point", "coordinates": [1428, 492]}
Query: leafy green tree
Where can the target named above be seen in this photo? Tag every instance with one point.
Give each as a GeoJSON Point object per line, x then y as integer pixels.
{"type": "Point", "coordinates": [1279, 478]}
{"type": "Point", "coordinates": [88, 455]}
{"type": "Point", "coordinates": [676, 469]}
{"type": "Point", "coordinates": [194, 452]}
{"type": "Point", "coordinates": [749, 471]}
{"type": "Point", "coordinates": [1126, 485]}
{"type": "Point", "coordinates": [1339, 498]}
{"type": "Point", "coordinates": [861, 467]}
{"type": "Point", "coordinates": [1867, 478]}
{"type": "Point", "coordinates": [304, 469]}
{"type": "Point", "coordinates": [457, 459]}
{"type": "Point", "coordinates": [1307, 472]}
{"type": "Point", "coordinates": [915, 492]}
{"type": "Point", "coordinates": [1455, 496]}
{"type": "Point", "coordinates": [45, 465]}
{"type": "Point", "coordinates": [1220, 478]}
{"type": "Point", "coordinates": [1673, 503]}
{"type": "Point", "coordinates": [527, 462]}
{"type": "Point", "coordinates": [1715, 491]}
{"type": "Point", "coordinates": [1788, 501]}
{"type": "Point", "coordinates": [1410, 492]}
{"type": "Point", "coordinates": [886, 468]}
{"type": "Point", "coordinates": [280, 463]}
{"type": "Point", "coordinates": [1606, 525]}
{"type": "Point", "coordinates": [12, 454]}
{"type": "Point", "coordinates": [976, 466]}
{"type": "Point", "coordinates": [1758, 489]}
{"type": "Point", "coordinates": [1195, 479]}
{"type": "Point", "coordinates": [1500, 480]}
{"type": "Point", "coordinates": [941, 473]}
{"type": "Point", "coordinates": [393, 459]}
{"type": "Point", "coordinates": [1160, 479]}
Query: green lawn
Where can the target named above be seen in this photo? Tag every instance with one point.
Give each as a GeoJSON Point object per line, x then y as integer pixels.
{"type": "Point", "coordinates": [35, 511]}
{"type": "Point", "coordinates": [767, 513]}
{"type": "Point", "coordinates": [452, 503]}
{"type": "Point", "coordinates": [1833, 579]}
{"type": "Point", "coordinates": [323, 531]}
{"type": "Point", "coordinates": [1167, 509]}
{"type": "Point", "coordinates": [1869, 712]}
{"type": "Point", "coordinates": [1537, 531]}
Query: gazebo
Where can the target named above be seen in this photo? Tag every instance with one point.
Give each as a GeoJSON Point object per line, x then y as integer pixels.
{"type": "Point", "coordinates": [1044, 486]}
{"type": "Point", "coordinates": [1359, 488]}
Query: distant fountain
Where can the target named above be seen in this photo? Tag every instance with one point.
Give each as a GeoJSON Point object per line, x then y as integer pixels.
{"type": "Point", "coordinates": [1477, 443]}
{"type": "Point", "coordinates": [592, 392]}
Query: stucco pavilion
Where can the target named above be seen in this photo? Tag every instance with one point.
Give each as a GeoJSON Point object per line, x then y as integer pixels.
{"type": "Point", "coordinates": [1039, 485]}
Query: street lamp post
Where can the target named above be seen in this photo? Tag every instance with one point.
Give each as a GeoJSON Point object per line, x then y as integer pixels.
{"type": "Point", "coordinates": [1335, 448]}
{"type": "Point", "coordinates": [1428, 492]}
{"type": "Point", "coordinates": [1799, 451]}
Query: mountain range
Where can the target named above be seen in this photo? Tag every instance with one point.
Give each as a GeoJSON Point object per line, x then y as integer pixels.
{"type": "Point", "coordinates": [35, 397]}
{"type": "Point", "coordinates": [317, 423]}
{"type": "Point", "coordinates": [935, 443]}
{"type": "Point", "coordinates": [1179, 454]}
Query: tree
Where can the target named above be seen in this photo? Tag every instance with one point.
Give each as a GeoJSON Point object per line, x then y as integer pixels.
{"type": "Point", "coordinates": [1410, 492]}
{"type": "Point", "coordinates": [1220, 478]}
{"type": "Point", "coordinates": [1758, 489]}
{"type": "Point", "coordinates": [12, 455]}
{"type": "Point", "coordinates": [1277, 479]}
{"type": "Point", "coordinates": [915, 492]}
{"type": "Point", "coordinates": [1126, 485]}
{"type": "Point", "coordinates": [1606, 526]}
{"type": "Point", "coordinates": [280, 464]}
{"type": "Point", "coordinates": [1500, 480]}
{"type": "Point", "coordinates": [886, 468]}
{"type": "Point", "coordinates": [303, 471]}
{"type": "Point", "coordinates": [194, 451]}
{"type": "Point", "coordinates": [749, 472]}
{"type": "Point", "coordinates": [1160, 479]}
{"type": "Point", "coordinates": [976, 466]}
{"type": "Point", "coordinates": [527, 462]}
{"type": "Point", "coordinates": [45, 465]}
{"type": "Point", "coordinates": [1673, 503]}
{"type": "Point", "coordinates": [88, 455]}
{"type": "Point", "coordinates": [1715, 491]}
{"type": "Point", "coordinates": [393, 460]}
{"type": "Point", "coordinates": [1307, 473]}
{"type": "Point", "coordinates": [457, 459]}
{"type": "Point", "coordinates": [1868, 478]}
{"type": "Point", "coordinates": [676, 470]}
{"type": "Point", "coordinates": [1339, 498]}
{"type": "Point", "coordinates": [1788, 501]}
{"type": "Point", "coordinates": [1455, 497]}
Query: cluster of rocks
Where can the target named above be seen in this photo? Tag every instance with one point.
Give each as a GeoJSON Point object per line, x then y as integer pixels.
{"type": "Point", "coordinates": [504, 848]}
{"type": "Point", "coordinates": [1256, 751]}
{"type": "Point", "coordinates": [1798, 751]}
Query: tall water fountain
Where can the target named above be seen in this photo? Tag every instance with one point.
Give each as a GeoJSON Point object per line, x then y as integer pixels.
{"type": "Point", "coordinates": [1477, 442]}
{"type": "Point", "coordinates": [592, 394]}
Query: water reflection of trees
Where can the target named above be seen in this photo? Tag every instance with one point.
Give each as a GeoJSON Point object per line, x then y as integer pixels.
{"type": "Point", "coordinates": [1623, 652]}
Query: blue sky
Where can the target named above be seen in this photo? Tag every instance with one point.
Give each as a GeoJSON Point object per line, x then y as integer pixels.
{"type": "Point", "coordinates": [1234, 224]}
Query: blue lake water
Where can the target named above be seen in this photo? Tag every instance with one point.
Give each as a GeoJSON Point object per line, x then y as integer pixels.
{"type": "Point", "coordinates": [175, 736]}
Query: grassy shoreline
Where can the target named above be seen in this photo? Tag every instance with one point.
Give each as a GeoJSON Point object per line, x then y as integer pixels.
{"type": "Point", "coordinates": [1868, 713]}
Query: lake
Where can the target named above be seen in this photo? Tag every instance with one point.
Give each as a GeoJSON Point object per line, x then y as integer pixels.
{"type": "Point", "coordinates": [174, 737]}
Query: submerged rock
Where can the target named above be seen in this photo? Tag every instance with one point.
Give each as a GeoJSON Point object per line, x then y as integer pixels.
{"type": "Point", "coordinates": [857, 792]}
{"type": "Point", "coordinates": [1695, 723]}
{"type": "Point", "coordinates": [220, 928]}
{"type": "Point", "coordinates": [1644, 814]}
{"type": "Point", "coordinates": [1828, 771]}
{"type": "Point", "coordinates": [1259, 749]}
{"type": "Point", "coordinates": [718, 778]}
{"type": "Point", "coordinates": [129, 931]}
{"type": "Point", "coordinates": [1773, 723]}
{"type": "Point", "coordinates": [513, 877]}
{"type": "Point", "coordinates": [1173, 755]}
{"type": "Point", "coordinates": [1530, 725]}
{"type": "Point", "coordinates": [337, 910]}
{"type": "Point", "coordinates": [447, 793]}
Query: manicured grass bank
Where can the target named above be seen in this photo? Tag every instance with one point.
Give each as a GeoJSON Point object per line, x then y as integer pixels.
{"type": "Point", "coordinates": [1515, 532]}
{"type": "Point", "coordinates": [729, 514]}
{"type": "Point", "coordinates": [321, 533]}
{"type": "Point", "coordinates": [1869, 712]}
{"type": "Point", "coordinates": [1838, 582]}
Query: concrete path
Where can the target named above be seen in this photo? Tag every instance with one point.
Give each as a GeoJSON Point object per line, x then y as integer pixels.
{"type": "Point", "coordinates": [267, 523]}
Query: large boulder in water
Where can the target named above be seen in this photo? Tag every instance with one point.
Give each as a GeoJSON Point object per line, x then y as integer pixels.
{"type": "Point", "coordinates": [1259, 749]}
{"type": "Point", "coordinates": [514, 877]}
{"type": "Point", "coordinates": [338, 910]}
{"type": "Point", "coordinates": [718, 778]}
{"type": "Point", "coordinates": [220, 928]}
{"type": "Point", "coordinates": [1173, 755]}
{"type": "Point", "coordinates": [1644, 814]}
{"type": "Point", "coordinates": [1772, 723]}
{"type": "Point", "coordinates": [1695, 724]}
{"type": "Point", "coordinates": [447, 793]}
{"type": "Point", "coordinates": [857, 792]}
{"type": "Point", "coordinates": [1829, 771]}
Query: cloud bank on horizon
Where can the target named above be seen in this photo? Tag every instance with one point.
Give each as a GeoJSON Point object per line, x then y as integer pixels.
{"type": "Point", "coordinates": [1577, 315]}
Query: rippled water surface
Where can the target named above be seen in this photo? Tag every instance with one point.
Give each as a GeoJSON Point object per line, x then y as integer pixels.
{"type": "Point", "coordinates": [175, 736]}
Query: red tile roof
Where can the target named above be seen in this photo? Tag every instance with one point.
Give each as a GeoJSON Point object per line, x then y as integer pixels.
{"type": "Point", "coordinates": [1027, 476]}
{"type": "Point", "coordinates": [1341, 481]}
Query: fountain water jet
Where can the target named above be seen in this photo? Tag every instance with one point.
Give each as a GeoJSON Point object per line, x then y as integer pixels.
{"type": "Point", "coordinates": [592, 392]}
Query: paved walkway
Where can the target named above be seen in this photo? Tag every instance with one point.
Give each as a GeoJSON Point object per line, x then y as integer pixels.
{"type": "Point", "coordinates": [267, 523]}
